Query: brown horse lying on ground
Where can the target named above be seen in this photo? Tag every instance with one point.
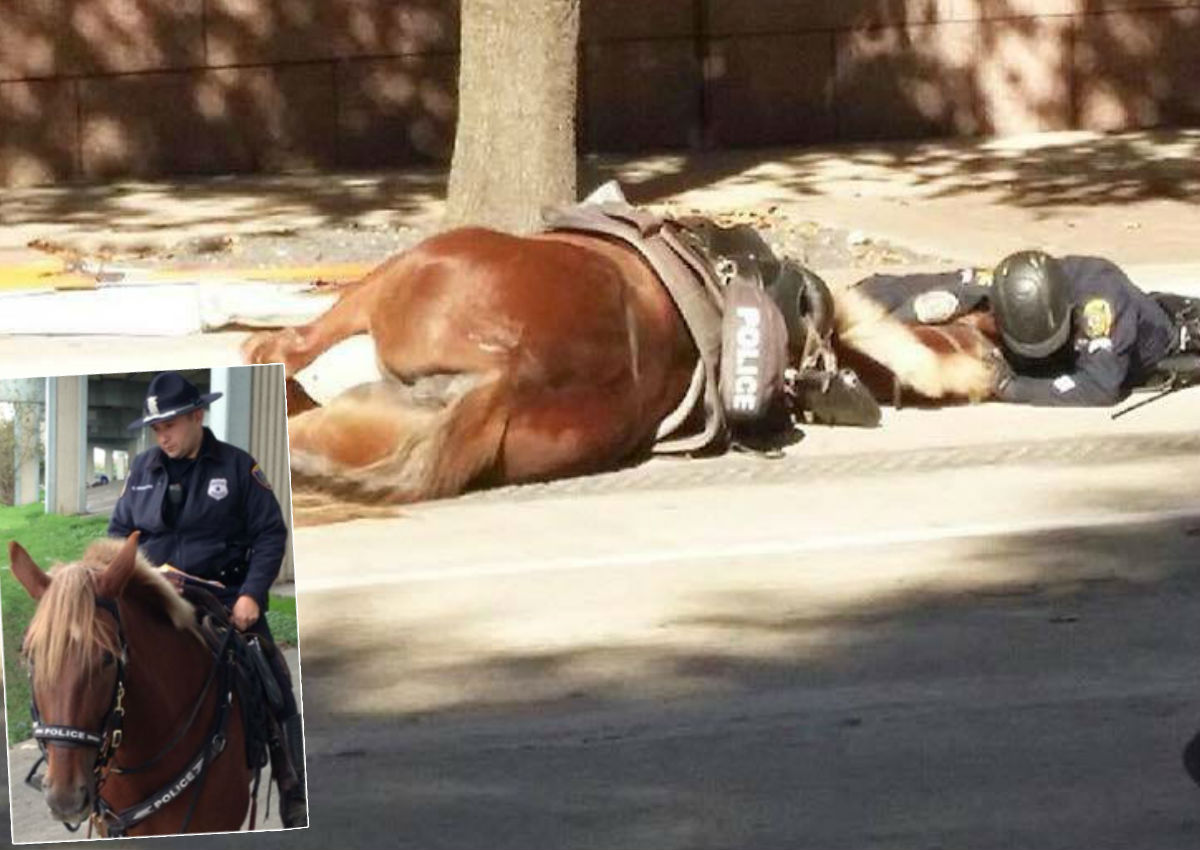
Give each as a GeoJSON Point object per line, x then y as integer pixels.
{"type": "Point", "coordinates": [504, 359]}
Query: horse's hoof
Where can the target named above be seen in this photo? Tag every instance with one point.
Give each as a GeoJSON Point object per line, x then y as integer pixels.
{"type": "Point", "coordinates": [272, 347]}
{"type": "Point", "coordinates": [254, 348]}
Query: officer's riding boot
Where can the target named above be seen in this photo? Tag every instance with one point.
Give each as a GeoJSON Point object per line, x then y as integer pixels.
{"type": "Point", "coordinates": [1189, 335]}
{"type": "Point", "coordinates": [1191, 758]}
{"type": "Point", "coordinates": [1185, 316]}
{"type": "Point", "coordinates": [293, 803]}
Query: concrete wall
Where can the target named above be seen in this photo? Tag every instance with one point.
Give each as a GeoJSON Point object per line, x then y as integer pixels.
{"type": "Point", "coordinates": [96, 89]}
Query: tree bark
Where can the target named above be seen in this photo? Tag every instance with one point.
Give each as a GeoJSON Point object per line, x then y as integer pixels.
{"type": "Point", "coordinates": [514, 149]}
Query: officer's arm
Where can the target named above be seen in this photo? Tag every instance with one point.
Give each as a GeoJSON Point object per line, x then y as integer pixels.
{"type": "Point", "coordinates": [1098, 381]}
{"type": "Point", "coordinates": [894, 292]}
{"type": "Point", "coordinates": [945, 301]}
{"type": "Point", "coordinates": [268, 538]}
{"type": "Point", "coordinates": [120, 524]}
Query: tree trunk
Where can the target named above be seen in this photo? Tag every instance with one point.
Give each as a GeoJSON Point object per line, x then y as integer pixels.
{"type": "Point", "coordinates": [514, 150]}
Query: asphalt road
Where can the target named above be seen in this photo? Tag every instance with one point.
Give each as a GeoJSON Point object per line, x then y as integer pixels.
{"type": "Point", "coordinates": [1001, 657]}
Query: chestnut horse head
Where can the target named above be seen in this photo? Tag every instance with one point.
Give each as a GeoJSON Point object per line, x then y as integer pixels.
{"type": "Point", "coordinates": [116, 662]}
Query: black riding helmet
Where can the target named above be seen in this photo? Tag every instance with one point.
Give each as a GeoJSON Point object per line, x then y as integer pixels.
{"type": "Point", "coordinates": [1031, 301]}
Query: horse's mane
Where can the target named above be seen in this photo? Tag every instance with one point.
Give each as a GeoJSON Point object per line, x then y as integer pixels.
{"type": "Point", "coordinates": [65, 626]}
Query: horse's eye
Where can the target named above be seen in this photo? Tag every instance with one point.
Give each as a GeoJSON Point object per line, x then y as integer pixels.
{"type": "Point", "coordinates": [108, 658]}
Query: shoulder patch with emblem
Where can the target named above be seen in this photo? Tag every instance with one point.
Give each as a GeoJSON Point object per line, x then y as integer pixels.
{"type": "Point", "coordinates": [1097, 318]}
{"type": "Point", "coordinates": [261, 477]}
{"type": "Point", "coordinates": [935, 306]}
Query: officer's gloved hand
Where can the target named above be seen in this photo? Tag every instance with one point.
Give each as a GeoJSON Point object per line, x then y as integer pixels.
{"type": "Point", "coordinates": [174, 576]}
{"type": "Point", "coordinates": [1002, 375]}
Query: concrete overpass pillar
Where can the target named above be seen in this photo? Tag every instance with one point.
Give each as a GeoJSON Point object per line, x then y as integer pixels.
{"type": "Point", "coordinates": [27, 460]}
{"type": "Point", "coordinates": [66, 445]}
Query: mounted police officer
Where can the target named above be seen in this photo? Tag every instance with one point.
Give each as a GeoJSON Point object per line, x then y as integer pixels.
{"type": "Point", "coordinates": [1074, 331]}
{"type": "Point", "coordinates": [206, 508]}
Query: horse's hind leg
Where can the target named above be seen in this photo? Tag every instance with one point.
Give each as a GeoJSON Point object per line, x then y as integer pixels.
{"type": "Point", "coordinates": [392, 441]}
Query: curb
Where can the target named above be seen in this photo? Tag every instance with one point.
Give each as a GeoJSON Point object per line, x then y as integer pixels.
{"type": "Point", "coordinates": [739, 469]}
{"type": "Point", "coordinates": [52, 275]}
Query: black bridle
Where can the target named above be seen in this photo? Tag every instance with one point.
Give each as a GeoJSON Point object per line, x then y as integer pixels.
{"type": "Point", "coordinates": [107, 740]}
{"type": "Point", "coordinates": [111, 734]}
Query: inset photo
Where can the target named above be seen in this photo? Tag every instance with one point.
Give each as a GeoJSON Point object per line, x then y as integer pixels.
{"type": "Point", "coordinates": [151, 647]}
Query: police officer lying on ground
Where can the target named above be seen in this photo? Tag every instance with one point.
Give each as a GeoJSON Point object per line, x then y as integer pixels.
{"type": "Point", "coordinates": [206, 508]}
{"type": "Point", "coordinates": [1074, 331]}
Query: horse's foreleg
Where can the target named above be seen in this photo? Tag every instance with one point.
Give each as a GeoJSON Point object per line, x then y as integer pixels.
{"type": "Point", "coordinates": [379, 441]}
{"type": "Point", "coordinates": [299, 346]}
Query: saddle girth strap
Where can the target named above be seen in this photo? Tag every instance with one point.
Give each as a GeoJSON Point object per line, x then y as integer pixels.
{"type": "Point", "coordinates": [697, 295]}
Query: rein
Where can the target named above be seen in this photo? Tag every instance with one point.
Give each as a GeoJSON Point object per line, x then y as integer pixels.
{"type": "Point", "coordinates": [109, 739]}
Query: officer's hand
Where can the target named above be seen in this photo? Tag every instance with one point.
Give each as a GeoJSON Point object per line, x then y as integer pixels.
{"type": "Point", "coordinates": [176, 579]}
{"type": "Point", "coordinates": [245, 613]}
{"type": "Point", "coordinates": [1002, 375]}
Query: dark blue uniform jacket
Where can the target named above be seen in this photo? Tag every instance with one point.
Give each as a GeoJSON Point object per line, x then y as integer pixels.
{"type": "Point", "coordinates": [1119, 332]}
{"type": "Point", "coordinates": [230, 527]}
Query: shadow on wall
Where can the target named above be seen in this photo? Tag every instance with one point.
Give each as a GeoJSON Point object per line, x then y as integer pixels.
{"type": "Point", "coordinates": [95, 90]}
{"type": "Point", "coordinates": [910, 70]}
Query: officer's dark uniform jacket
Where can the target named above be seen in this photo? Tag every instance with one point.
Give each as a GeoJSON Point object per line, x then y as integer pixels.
{"type": "Point", "coordinates": [1119, 332]}
{"type": "Point", "coordinates": [229, 529]}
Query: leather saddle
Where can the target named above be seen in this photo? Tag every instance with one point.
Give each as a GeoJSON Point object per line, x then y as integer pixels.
{"type": "Point", "coordinates": [258, 692]}
{"type": "Point", "coordinates": [824, 393]}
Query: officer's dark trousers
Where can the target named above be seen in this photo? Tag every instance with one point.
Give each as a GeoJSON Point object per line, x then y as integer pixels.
{"type": "Point", "coordinates": [278, 666]}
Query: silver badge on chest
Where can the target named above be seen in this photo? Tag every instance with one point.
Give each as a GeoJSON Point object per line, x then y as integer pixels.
{"type": "Point", "coordinates": [218, 488]}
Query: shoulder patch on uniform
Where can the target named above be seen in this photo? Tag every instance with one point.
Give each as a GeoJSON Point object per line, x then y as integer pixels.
{"type": "Point", "coordinates": [1097, 318]}
{"type": "Point", "coordinates": [935, 306]}
{"type": "Point", "coordinates": [261, 477]}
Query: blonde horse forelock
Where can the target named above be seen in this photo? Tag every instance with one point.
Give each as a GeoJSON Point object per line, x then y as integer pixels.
{"type": "Point", "coordinates": [66, 631]}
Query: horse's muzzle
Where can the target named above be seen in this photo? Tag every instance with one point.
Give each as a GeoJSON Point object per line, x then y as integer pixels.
{"type": "Point", "coordinates": [71, 805]}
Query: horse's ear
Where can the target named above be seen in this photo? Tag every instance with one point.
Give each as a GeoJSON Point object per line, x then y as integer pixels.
{"type": "Point", "coordinates": [27, 572]}
{"type": "Point", "coordinates": [111, 582]}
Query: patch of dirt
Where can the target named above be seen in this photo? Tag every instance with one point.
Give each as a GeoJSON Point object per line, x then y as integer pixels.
{"type": "Point", "coordinates": [805, 241]}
